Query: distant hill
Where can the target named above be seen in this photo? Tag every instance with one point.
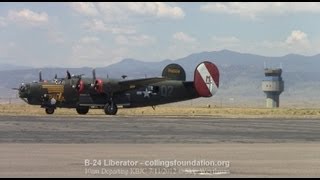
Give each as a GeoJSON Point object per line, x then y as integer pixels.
{"type": "Point", "coordinates": [240, 76]}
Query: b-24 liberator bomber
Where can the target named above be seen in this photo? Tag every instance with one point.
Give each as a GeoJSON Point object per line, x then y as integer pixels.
{"type": "Point", "coordinates": [75, 91]}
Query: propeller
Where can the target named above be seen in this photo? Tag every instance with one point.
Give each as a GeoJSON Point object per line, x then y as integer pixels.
{"type": "Point", "coordinates": [21, 88]}
{"type": "Point", "coordinates": [93, 84]}
{"type": "Point", "coordinates": [97, 84]}
{"type": "Point", "coordinates": [56, 76]}
{"type": "Point", "coordinates": [68, 75]}
{"type": "Point", "coordinates": [79, 86]}
{"type": "Point", "coordinates": [94, 74]}
{"type": "Point", "coordinates": [40, 76]}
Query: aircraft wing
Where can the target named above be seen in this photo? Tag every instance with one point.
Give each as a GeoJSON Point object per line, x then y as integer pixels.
{"type": "Point", "coordinates": [136, 83]}
{"type": "Point", "coordinates": [141, 82]}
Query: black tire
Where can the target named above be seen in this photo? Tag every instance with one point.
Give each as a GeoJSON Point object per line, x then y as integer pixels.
{"type": "Point", "coordinates": [111, 109]}
{"type": "Point", "coordinates": [49, 110]}
{"type": "Point", "coordinates": [82, 109]}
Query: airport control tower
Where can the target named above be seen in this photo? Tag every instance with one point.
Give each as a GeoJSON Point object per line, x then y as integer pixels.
{"type": "Point", "coordinates": [273, 86]}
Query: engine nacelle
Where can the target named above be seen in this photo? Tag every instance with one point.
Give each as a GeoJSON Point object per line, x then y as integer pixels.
{"type": "Point", "coordinates": [98, 86]}
{"type": "Point", "coordinates": [80, 87]}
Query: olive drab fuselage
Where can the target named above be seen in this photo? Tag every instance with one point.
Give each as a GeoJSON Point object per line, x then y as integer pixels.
{"type": "Point", "coordinates": [85, 93]}
{"type": "Point", "coordinates": [64, 95]}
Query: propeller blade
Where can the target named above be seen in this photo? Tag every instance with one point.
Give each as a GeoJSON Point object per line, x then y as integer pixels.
{"type": "Point", "coordinates": [68, 75]}
{"type": "Point", "coordinates": [15, 88]}
{"type": "Point", "coordinates": [93, 84]}
{"type": "Point", "coordinates": [94, 75]}
{"type": "Point", "coordinates": [40, 76]}
{"type": "Point", "coordinates": [56, 76]}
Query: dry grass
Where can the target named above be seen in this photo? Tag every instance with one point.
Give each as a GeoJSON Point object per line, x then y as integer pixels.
{"type": "Point", "coordinates": [24, 109]}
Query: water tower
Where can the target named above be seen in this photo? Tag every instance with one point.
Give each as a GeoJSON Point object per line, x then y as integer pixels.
{"type": "Point", "coordinates": [273, 86]}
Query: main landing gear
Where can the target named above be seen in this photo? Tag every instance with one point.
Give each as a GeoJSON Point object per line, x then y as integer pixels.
{"type": "Point", "coordinates": [49, 110]}
{"type": "Point", "coordinates": [111, 108]}
{"type": "Point", "coordinates": [82, 109]}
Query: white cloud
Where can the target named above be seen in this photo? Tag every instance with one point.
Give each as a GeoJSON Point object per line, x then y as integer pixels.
{"type": "Point", "coordinates": [135, 40]}
{"type": "Point", "coordinates": [55, 36]}
{"type": "Point", "coordinates": [3, 22]}
{"type": "Point", "coordinates": [123, 10]}
{"type": "Point", "coordinates": [84, 51]}
{"type": "Point", "coordinates": [85, 8]}
{"type": "Point", "coordinates": [97, 25]}
{"type": "Point", "coordinates": [116, 11]}
{"type": "Point", "coordinates": [226, 40]}
{"type": "Point", "coordinates": [253, 9]}
{"type": "Point", "coordinates": [27, 17]}
{"type": "Point", "coordinates": [297, 36]}
{"type": "Point", "coordinates": [297, 42]}
{"type": "Point", "coordinates": [7, 48]}
{"type": "Point", "coordinates": [91, 51]}
{"type": "Point", "coordinates": [179, 49]}
{"type": "Point", "coordinates": [89, 39]}
{"type": "Point", "coordinates": [87, 51]}
{"type": "Point", "coordinates": [181, 36]}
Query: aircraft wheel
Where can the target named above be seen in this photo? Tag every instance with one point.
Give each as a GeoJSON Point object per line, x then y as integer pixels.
{"type": "Point", "coordinates": [82, 109]}
{"type": "Point", "coordinates": [49, 110]}
{"type": "Point", "coordinates": [111, 109]}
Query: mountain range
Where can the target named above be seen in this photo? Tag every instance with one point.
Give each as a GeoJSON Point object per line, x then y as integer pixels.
{"type": "Point", "coordinates": [240, 76]}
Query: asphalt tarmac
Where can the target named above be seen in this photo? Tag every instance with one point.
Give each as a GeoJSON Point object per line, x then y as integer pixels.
{"type": "Point", "coordinates": [120, 146]}
{"type": "Point", "coordinates": [117, 129]}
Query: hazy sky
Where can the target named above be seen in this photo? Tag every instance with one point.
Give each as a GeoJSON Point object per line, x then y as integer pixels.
{"type": "Point", "coordinates": [99, 34]}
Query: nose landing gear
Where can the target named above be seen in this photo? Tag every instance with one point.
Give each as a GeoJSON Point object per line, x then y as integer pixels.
{"type": "Point", "coordinates": [48, 104]}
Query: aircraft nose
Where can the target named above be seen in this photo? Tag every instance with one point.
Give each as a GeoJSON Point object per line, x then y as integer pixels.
{"type": "Point", "coordinates": [23, 90]}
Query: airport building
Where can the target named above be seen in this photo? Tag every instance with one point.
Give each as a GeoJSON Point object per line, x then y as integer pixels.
{"type": "Point", "coordinates": [272, 86]}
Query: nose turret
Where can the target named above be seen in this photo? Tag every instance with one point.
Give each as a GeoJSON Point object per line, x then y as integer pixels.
{"type": "Point", "coordinates": [23, 90]}
{"type": "Point", "coordinates": [30, 92]}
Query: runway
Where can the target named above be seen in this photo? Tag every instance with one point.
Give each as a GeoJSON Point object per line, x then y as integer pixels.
{"type": "Point", "coordinates": [86, 146]}
{"type": "Point", "coordinates": [119, 129]}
